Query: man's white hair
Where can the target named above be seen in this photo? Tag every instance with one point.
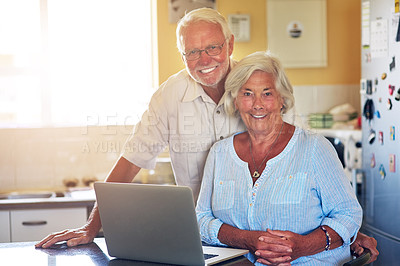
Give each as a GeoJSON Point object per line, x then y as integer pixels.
{"type": "Point", "coordinates": [202, 14]}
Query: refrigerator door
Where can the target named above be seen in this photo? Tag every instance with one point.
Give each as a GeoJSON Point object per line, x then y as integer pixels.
{"type": "Point", "coordinates": [381, 202]}
{"type": "Point", "coordinates": [380, 145]}
{"type": "Point", "coordinates": [387, 247]}
{"type": "Point", "coordinates": [380, 135]}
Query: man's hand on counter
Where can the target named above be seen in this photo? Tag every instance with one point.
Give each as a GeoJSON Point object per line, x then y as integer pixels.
{"type": "Point", "coordinates": [123, 171]}
{"type": "Point", "coordinates": [73, 237]}
{"type": "Point", "coordinates": [78, 236]}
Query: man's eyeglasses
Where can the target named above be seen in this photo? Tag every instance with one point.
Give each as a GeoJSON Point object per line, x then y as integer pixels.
{"type": "Point", "coordinates": [211, 50]}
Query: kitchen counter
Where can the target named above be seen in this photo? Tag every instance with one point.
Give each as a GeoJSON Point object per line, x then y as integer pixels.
{"type": "Point", "coordinates": [75, 199]}
{"type": "Point", "coordinates": [25, 253]}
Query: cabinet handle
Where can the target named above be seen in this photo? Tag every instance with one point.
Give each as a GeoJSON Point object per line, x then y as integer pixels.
{"type": "Point", "coordinates": [33, 223]}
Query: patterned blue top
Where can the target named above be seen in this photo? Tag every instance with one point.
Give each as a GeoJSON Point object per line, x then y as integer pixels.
{"type": "Point", "coordinates": [300, 189]}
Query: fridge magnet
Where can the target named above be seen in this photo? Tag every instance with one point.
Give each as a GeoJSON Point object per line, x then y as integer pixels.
{"type": "Point", "coordinates": [392, 163]}
{"type": "Point", "coordinates": [371, 137]}
{"type": "Point", "coordinates": [369, 109]}
{"type": "Point", "coordinates": [373, 163]}
{"type": "Point", "coordinates": [383, 76]}
{"type": "Point", "coordinates": [363, 85]}
{"type": "Point", "coordinates": [391, 89]}
{"type": "Point", "coordinates": [378, 114]}
{"type": "Point", "coordinates": [392, 135]}
{"type": "Point", "coordinates": [382, 171]}
{"type": "Point", "coordinates": [389, 104]}
{"type": "Point", "coordinates": [397, 96]}
{"type": "Point", "coordinates": [367, 57]}
{"type": "Point", "coordinates": [392, 64]}
{"type": "Point", "coordinates": [381, 137]}
{"type": "Point", "coordinates": [369, 87]}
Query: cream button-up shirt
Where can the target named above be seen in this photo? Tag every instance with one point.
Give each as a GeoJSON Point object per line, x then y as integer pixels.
{"type": "Point", "coordinates": [182, 116]}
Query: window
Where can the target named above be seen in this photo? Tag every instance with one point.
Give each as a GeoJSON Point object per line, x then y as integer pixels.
{"type": "Point", "coordinates": [75, 62]}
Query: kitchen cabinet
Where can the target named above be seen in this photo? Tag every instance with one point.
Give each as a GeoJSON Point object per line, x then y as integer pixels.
{"type": "Point", "coordinates": [35, 224]}
{"type": "Point", "coordinates": [5, 226]}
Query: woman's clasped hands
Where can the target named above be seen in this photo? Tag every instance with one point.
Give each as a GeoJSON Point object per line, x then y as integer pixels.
{"type": "Point", "coordinates": [276, 247]}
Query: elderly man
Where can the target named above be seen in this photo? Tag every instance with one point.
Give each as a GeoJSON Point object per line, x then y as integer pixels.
{"type": "Point", "coordinates": [185, 113]}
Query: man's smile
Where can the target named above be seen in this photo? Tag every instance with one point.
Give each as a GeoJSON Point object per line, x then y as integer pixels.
{"type": "Point", "coordinates": [207, 70]}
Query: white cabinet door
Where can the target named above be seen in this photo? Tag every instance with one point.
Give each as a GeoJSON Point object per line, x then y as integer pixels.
{"type": "Point", "coordinates": [5, 227]}
{"type": "Point", "coordinates": [33, 225]}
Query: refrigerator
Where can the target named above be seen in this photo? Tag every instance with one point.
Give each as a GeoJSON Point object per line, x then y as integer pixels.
{"type": "Point", "coordinates": [379, 193]}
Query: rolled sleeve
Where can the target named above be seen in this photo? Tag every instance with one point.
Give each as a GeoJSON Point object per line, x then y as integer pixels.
{"type": "Point", "coordinates": [210, 232]}
{"type": "Point", "coordinates": [347, 236]}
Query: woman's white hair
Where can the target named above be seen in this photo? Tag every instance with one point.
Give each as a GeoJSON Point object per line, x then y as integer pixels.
{"type": "Point", "coordinates": [201, 14]}
{"type": "Point", "coordinates": [240, 74]}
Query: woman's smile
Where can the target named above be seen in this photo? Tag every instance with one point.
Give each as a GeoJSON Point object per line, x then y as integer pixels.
{"type": "Point", "coordinates": [258, 116]}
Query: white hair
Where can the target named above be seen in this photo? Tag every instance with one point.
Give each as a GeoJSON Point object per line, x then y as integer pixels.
{"type": "Point", "coordinates": [239, 75]}
{"type": "Point", "coordinates": [201, 14]}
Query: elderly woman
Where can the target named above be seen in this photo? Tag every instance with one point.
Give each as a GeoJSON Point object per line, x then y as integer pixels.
{"type": "Point", "coordinates": [277, 190]}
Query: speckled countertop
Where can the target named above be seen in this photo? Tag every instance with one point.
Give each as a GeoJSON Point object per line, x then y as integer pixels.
{"type": "Point", "coordinates": [25, 253]}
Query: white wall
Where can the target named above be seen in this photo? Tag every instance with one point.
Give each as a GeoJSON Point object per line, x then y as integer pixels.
{"type": "Point", "coordinates": [41, 158]}
{"type": "Point", "coordinates": [321, 98]}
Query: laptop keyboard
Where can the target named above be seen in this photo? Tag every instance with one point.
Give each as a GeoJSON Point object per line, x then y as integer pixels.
{"type": "Point", "coordinates": [209, 256]}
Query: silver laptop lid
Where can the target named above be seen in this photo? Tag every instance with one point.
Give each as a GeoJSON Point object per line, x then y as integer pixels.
{"type": "Point", "coordinates": [150, 223]}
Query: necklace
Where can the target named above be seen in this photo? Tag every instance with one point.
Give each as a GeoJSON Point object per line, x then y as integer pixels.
{"type": "Point", "coordinates": [256, 174]}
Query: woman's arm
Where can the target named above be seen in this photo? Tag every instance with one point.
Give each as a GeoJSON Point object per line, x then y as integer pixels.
{"type": "Point", "coordinates": [339, 204]}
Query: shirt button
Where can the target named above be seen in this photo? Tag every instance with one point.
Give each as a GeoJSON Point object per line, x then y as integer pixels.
{"type": "Point", "coordinates": [218, 112]}
{"type": "Point", "coordinates": [222, 137]}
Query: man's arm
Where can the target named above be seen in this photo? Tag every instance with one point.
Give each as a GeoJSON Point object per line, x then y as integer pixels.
{"type": "Point", "coordinates": [123, 172]}
{"type": "Point", "coordinates": [364, 241]}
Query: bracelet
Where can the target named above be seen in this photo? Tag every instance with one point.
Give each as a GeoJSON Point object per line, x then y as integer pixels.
{"type": "Point", "coordinates": [328, 238]}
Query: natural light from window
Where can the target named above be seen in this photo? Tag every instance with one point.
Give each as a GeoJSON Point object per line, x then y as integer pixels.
{"type": "Point", "coordinates": [74, 62]}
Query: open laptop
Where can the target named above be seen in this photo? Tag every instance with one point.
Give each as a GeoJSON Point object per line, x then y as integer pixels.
{"type": "Point", "coordinates": [155, 223]}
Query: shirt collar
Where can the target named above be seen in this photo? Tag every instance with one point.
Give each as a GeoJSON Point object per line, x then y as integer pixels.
{"type": "Point", "coordinates": [193, 91]}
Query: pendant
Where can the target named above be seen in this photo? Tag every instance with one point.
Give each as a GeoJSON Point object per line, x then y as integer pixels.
{"type": "Point", "coordinates": [256, 174]}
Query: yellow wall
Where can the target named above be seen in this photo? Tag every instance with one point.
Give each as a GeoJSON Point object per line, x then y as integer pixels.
{"type": "Point", "coordinates": [344, 39]}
